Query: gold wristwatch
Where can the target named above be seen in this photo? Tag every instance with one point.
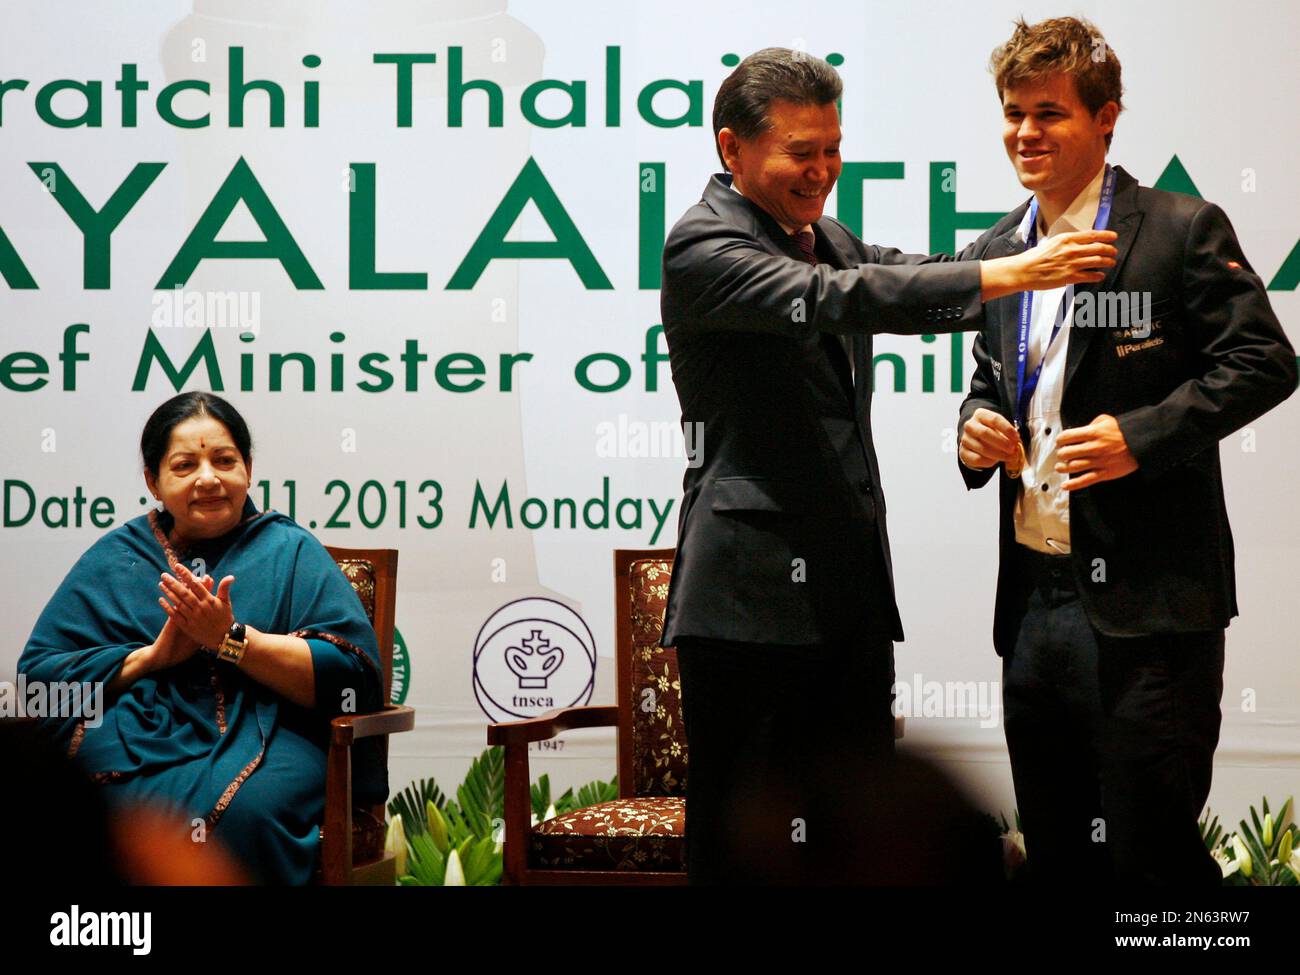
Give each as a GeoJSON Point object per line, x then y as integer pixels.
{"type": "Point", "coordinates": [232, 647]}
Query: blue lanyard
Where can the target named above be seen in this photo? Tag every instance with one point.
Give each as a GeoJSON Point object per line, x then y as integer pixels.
{"type": "Point", "coordinates": [1025, 388]}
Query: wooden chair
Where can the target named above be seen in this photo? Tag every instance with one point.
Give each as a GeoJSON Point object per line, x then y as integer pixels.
{"type": "Point", "coordinates": [352, 838]}
{"type": "Point", "coordinates": [640, 838]}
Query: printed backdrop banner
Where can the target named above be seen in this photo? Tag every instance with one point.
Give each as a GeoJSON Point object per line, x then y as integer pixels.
{"type": "Point", "coordinates": [417, 245]}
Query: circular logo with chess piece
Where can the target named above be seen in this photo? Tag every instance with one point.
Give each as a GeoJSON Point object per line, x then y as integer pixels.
{"type": "Point", "coordinates": [532, 656]}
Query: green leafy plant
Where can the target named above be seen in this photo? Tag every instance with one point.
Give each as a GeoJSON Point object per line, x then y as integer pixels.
{"type": "Point", "coordinates": [409, 804]}
{"type": "Point", "coordinates": [590, 794]}
{"type": "Point", "coordinates": [1265, 856]}
{"type": "Point", "coordinates": [457, 842]}
{"type": "Point", "coordinates": [444, 856]}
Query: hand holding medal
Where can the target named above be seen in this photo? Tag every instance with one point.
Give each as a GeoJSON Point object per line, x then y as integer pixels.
{"type": "Point", "coordinates": [988, 439]}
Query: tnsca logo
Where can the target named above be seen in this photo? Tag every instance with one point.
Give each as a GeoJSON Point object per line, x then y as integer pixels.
{"type": "Point", "coordinates": [531, 656]}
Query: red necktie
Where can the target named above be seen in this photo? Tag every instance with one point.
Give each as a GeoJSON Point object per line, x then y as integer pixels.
{"type": "Point", "coordinates": [805, 240]}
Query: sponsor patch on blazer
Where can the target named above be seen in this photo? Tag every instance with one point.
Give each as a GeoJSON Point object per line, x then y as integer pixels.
{"type": "Point", "coordinates": [1136, 331]}
{"type": "Point", "coordinates": [1128, 348]}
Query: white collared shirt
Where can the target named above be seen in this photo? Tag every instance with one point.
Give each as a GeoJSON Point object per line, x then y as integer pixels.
{"type": "Point", "coordinates": [845, 340]}
{"type": "Point", "coordinates": [1042, 516]}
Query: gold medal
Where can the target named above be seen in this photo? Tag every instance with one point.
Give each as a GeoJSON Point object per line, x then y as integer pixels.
{"type": "Point", "coordinates": [1015, 467]}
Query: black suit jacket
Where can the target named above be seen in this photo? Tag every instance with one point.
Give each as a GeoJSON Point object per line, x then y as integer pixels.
{"type": "Point", "coordinates": [781, 516]}
{"type": "Point", "coordinates": [1151, 552]}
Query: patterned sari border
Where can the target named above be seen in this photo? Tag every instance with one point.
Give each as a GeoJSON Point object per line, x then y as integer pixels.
{"type": "Point", "coordinates": [161, 537]}
{"type": "Point", "coordinates": [219, 692]}
{"type": "Point", "coordinates": [172, 555]}
{"type": "Point", "coordinates": [342, 644]}
{"type": "Point", "coordinates": [78, 734]}
{"type": "Point", "coordinates": [226, 797]}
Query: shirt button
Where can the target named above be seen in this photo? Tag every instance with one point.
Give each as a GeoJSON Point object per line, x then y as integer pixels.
{"type": "Point", "coordinates": [1046, 431]}
{"type": "Point", "coordinates": [865, 485]}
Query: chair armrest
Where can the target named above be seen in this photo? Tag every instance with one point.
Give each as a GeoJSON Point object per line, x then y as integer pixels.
{"type": "Point", "coordinates": [515, 736]}
{"type": "Point", "coordinates": [347, 728]}
{"type": "Point", "coordinates": [551, 724]}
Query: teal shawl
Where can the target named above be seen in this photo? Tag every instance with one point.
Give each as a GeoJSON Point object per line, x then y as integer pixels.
{"type": "Point", "coordinates": [202, 738]}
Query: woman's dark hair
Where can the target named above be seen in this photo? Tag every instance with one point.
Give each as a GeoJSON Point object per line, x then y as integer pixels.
{"type": "Point", "coordinates": [158, 429]}
{"type": "Point", "coordinates": [774, 72]}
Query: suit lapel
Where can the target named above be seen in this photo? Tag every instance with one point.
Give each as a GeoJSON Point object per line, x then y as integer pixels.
{"type": "Point", "coordinates": [740, 211]}
{"type": "Point", "coordinates": [1003, 314]}
{"type": "Point", "coordinates": [1125, 219]}
{"type": "Point", "coordinates": [828, 252]}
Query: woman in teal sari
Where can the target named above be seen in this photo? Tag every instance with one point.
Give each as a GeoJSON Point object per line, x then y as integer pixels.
{"type": "Point", "coordinates": [218, 694]}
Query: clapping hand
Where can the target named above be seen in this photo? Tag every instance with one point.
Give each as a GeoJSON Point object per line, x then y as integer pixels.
{"type": "Point", "coordinates": [202, 614]}
{"type": "Point", "coordinates": [171, 648]}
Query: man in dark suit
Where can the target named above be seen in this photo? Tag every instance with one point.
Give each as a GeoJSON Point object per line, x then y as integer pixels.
{"type": "Point", "coordinates": [1116, 560]}
{"type": "Point", "coordinates": [781, 604]}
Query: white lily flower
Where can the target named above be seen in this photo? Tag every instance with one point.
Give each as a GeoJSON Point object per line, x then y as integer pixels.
{"type": "Point", "coordinates": [1243, 855]}
{"type": "Point", "coordinates": [455, 875]}
{"type": "Point", "coordinates": [395, 843]}
{"type": "Point", "coordinates": [1013, 849]}
{"type": "Point", "coordinates": [1227, 866]}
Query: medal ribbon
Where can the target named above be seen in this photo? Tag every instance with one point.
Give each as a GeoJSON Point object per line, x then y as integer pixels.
{"type": "Point", "coordinates": [1025, 387]}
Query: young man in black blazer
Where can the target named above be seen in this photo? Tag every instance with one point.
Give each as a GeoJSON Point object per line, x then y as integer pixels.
{"type": "Point", "coordinates": [1116, 561]}
{"type": "Point", "coordinates": [781, 604]}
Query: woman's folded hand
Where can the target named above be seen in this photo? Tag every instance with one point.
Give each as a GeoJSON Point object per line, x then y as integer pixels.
{"type": "Point", "coordinates": [171, 648]}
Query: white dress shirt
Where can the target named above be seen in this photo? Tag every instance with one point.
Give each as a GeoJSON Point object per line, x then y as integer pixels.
{"type": "Point", "coordinates": [1042, 516]}
{"type": "Point", "coordinates": [845, 340]}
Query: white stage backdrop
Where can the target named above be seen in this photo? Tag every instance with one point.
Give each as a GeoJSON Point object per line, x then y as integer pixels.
{"type": "Point", "coordinates": [471, 303]}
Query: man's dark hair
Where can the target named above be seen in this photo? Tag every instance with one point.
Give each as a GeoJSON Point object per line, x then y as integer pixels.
{"type": "Point", "coordinates": [763, 77]}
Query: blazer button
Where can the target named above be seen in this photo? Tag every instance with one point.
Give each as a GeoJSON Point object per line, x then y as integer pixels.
{"type": "Point", "coordinates": [865, 485]}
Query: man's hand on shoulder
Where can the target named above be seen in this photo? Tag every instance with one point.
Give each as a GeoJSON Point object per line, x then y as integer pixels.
{"type": "Point", "coordinates": [1080, 257]}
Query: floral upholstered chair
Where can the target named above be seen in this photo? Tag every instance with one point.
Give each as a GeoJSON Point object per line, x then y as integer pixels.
{"type": "Point", "coordinates": [639, 838]}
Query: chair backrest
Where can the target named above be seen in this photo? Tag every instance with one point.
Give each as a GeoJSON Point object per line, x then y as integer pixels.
{"type": "Point", "coordinates": [651, 736]}
{"type": "Point", "coordinates": [373, 574]}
